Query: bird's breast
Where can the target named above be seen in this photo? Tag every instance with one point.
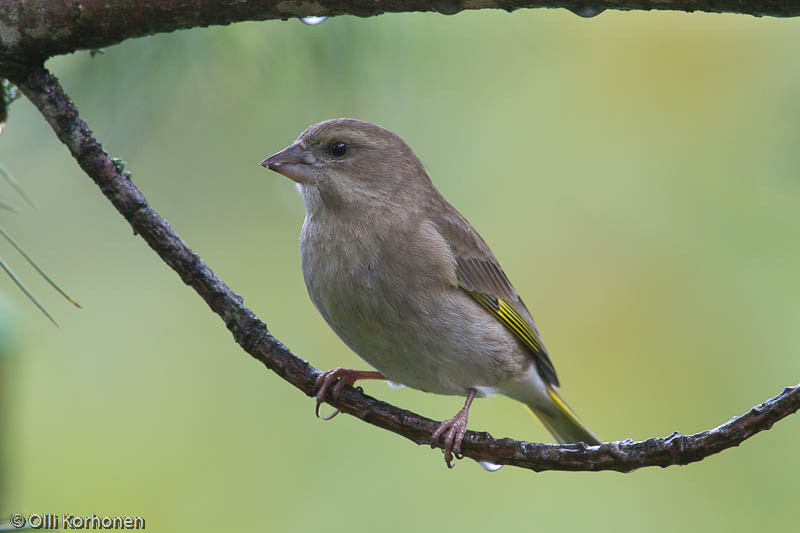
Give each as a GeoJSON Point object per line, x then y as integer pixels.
{"type": "Point", "coordinates": [387, 302]}
{"type": "Point", "coordinates": [341, 275]}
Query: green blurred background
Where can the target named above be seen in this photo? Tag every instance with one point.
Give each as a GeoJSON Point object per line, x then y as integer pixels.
{"type": "Point", "coordinates": [636, 174]}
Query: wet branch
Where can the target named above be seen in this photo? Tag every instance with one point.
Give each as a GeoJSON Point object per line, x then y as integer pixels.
{"type": "Point", "coordinates": [251, 333]}
{"type": "Point", "coordinates": [34, 30]}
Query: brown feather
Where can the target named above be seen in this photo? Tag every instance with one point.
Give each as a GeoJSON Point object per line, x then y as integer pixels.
{"type": "Point", "coordinates": [479, 273]}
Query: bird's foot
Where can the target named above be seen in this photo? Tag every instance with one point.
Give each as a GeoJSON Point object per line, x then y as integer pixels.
{"type": "Point", "coordinates": [453, 430]}
{"type": "Point", "coordinates": [339, 377]}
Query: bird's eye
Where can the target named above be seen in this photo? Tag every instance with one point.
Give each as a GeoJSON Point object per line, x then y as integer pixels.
{"type": "Point", "coordinates": [338, 149]}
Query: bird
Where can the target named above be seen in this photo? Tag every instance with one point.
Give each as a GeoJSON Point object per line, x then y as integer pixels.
{"type": "Point", "coordinates": [408, 283]}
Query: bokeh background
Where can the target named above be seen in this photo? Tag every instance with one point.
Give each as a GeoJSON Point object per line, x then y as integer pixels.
{"type": "Point", "coordinates": [635, 173]}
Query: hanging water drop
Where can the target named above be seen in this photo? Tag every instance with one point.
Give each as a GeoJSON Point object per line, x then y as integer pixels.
{"type": "Point", "coordinates": [490, 467]}
{"type": "Point", "coordinates": [587, 12]}
{"type": "Point", "coordinates": [313, 21]}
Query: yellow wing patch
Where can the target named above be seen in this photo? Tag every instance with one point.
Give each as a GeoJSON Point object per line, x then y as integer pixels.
{"type": "Point", "coordinates": [509, 318]}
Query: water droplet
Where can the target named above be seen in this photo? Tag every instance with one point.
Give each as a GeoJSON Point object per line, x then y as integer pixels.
{"type": "Point", "coordinates": [490, 467]}
{"type": "Point", "coordinates": [313, 21]}
{"type": "Point", "coordinates": [587, 12]}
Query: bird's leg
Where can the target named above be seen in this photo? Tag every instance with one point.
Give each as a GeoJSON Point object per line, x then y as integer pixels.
{"type": "Point", "coordinates": [453, 430]}
{"type": "Point", "coordinates": [342, 377]}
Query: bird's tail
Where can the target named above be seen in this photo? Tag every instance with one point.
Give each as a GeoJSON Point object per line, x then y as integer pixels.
{"type": "Point", "coordinates": [561, 421]}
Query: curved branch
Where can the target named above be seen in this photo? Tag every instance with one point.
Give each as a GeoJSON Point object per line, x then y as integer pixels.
{"type": "Point", "coordinates": [47, 95]}
{"type": "Point", "coordinates": [33, 30]}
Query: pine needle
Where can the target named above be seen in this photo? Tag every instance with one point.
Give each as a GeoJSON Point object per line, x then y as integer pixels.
{"type": "Point", "coordinates": [16, 280]}
{"type": "Point", "coordinates": [14, 183]}
{"type": "Point", "coordinates": [10, 207]}
{"type": "Point", "coordinates": [34, 265]}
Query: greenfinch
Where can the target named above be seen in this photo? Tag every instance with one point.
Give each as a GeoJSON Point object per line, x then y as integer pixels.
{"type": "Point", "coordinates": [409, 284]}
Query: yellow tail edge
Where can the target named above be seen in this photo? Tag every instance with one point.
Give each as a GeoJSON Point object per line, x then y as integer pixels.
{"type": "Point", "coordinates": [563, 423]}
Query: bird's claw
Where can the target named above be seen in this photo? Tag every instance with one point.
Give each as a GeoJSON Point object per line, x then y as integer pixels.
{"type": "Point", "coordinates": [322, 385]}
{"type": "Point", "coordinates": [338, 378]}
{"type": "Point", "coordinates": [452, 431]}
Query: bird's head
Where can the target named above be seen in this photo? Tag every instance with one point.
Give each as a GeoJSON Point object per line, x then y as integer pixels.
{"type": "Point", "coordinates": [350, 163]}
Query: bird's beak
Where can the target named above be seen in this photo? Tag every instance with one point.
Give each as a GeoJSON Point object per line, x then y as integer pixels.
{"type": "Point", "coordinates": [294, 162]}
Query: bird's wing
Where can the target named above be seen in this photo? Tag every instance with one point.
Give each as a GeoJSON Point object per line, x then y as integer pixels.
{"type": "Point", "coordinates": [480, 275]}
